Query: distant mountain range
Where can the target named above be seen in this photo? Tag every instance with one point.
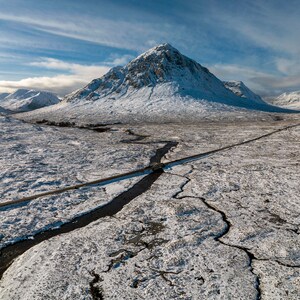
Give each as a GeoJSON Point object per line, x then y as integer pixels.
{"type": "Point", "coordinates": [3, 95]}
{"type": "Point", "coordinates": [26, 100]}
{"type": "Point", "coordinates": [288, 100]}
{"type": "Point", "coordinates": [159, 85]}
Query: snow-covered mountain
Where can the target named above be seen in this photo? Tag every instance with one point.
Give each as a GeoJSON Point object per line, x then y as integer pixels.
{"type": "Point", "coordinates": [27, 100]}
{"type": "Point", "coordinates": [288, 100]}
{"type": "Point", "coordinates": [3, 95]}
{"type": "Point", "coordinates": [159, 85]}
{"type": "Point", "coordinates": [4, 111]}
{"type": "Point", "coordinates": [241, 90]}
{"type": "Point", "coordinates": [159, 66]}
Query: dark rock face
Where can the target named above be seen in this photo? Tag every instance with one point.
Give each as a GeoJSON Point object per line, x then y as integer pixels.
{"type": "Point", "coordinates": [160, 64]}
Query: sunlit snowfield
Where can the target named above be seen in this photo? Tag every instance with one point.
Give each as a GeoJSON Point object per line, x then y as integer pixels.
{"type": "Point", "coordinates": [222, 227]}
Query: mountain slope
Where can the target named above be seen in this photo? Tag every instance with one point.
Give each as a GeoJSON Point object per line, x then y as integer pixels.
{"type": "Point", "coordinates": [160, 85]}
{"type": "Point", "coordinates": [4, 111]}
{"type": "Point", "coordinates": [288, 100]}
{"type": "Point", "coordinates": [160, 65]}
{"type": "Point", "coordinates": [26, 100]}
{"type": "Point", "coordinates": [241, 90]}
{"type": "Point", "coordinates": [3, 95]}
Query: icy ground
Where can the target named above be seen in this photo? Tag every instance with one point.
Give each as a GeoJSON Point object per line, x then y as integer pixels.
{"type": "Point", "coordinates": [222, 227]}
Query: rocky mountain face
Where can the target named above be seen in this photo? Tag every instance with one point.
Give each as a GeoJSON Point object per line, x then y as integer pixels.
{"type": "Point", "coordinates": [27, 100]}
{"type": "Point", "coordinates": [160, 65]}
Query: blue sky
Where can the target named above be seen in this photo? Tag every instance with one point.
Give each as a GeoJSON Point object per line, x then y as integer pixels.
{"type": "Point", "coordinates": [62, 45]}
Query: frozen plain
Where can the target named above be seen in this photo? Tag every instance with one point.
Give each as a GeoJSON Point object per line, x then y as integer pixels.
{"type": "Point", "coordinates": [222, 227]}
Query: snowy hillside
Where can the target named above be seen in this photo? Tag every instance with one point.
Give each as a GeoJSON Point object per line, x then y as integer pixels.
{"type": "Point", "coordinates": [4, 111]}
{"type": "Point", "coordinates": [241, 90]}
{"type": "Point", "coordinates": [26, 100]}
{"type": "Point", "coordinates": [159, 85]}
{"type": "Point", "coordinates": [3, 95]}
{"type": "Point", "coordinates": [288, 100]}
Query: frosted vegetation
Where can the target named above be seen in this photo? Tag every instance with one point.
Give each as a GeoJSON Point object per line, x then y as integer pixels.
{"type": "Point", "coordinates": [223, 227]}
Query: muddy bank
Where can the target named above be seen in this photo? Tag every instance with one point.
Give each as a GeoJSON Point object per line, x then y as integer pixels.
{"type": "Point", "coordinates": [94, 127]}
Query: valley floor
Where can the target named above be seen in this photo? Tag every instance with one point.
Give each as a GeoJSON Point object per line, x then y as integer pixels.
{"type": "Point", "coordinates": [225, 226]}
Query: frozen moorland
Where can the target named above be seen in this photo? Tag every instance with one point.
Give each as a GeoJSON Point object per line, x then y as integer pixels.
{"type": "Point", "coordinates": [225, 226]}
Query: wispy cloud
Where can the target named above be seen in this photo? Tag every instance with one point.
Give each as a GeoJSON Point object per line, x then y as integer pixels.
{"type": "Point", "coordinates": [85, 71]}
{"type": "Point", "coordinates": [74, 75]}
{"type": "Point", "coordinates": [265, 23]}
{"type": "Point", "coordinates": [113, 33]}
{"type": "Point", "coordinates": [78, 75]}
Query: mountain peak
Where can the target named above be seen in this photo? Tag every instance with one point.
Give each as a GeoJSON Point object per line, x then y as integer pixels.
{"type": "Point", "coordinates": [288, 100]}
{"type": "Point", "coordinates": [162, 64]}
{"type": "Point", "coordinates": [160, 74]}
{"type": "Point", "coordinates": [159, 65]}
{"type": "Point", "coordinates": [163, 53]}
{"type": "Point", "coordinates": [160, 49]}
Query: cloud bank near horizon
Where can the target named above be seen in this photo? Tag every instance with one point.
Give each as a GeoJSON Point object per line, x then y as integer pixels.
{"type": "Point", "coordinates": [58, 47]}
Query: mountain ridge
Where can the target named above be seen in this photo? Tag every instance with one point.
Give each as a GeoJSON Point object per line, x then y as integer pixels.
{"type": "Point", "coordinates": [27, 99]}
{"type": "Point", "coordinates": [288, 100]}
{"type": "Point", "coordinates": [159, 65]}
{"type": "Point", "coordinates": [160, 85]}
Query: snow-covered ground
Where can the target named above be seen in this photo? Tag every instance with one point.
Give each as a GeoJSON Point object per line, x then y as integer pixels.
{"type": "Point", "coordinates": [36, 159]}
{"type": "Point", "coordinates": [222, 227]}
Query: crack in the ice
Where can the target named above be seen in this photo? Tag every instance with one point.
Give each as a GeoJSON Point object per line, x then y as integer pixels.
{"type": "Point", "coordinates": [182, 186]}
{"type": "Point", "coordinates": [123, 255]}
{"type": "Point", "coordinates": [162, 274]}
{"type": "Point", "coordinates": [96, 292]}
{"type": "Point", "coordinates": [223, 233]}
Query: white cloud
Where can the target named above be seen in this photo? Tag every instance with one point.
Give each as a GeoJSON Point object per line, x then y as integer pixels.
{"type": "Point", "coordinates": [86, 71]}
{"type": "Point", "coordinates": [265, 23]}
{"type": "Point", "coordinates": [78, 76]}
{"type": "Point", "coordinates": [120, 60]}
{"type": "Point", "coordinates": [59, 84]}
{"type": "Point", "coordinates": [288, 66]}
